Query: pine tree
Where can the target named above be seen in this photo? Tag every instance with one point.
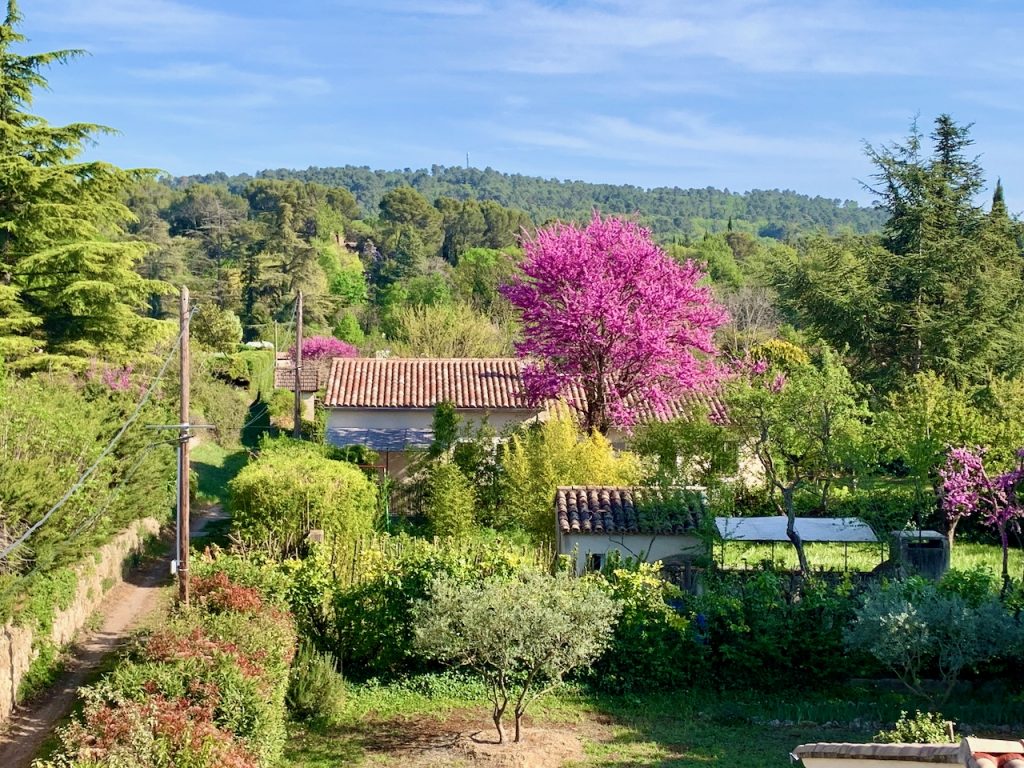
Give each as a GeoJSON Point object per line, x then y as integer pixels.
{"type": "Point", "coordinates": [68, 284]}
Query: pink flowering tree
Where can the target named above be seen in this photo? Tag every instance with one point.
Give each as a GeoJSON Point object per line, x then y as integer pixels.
{"type": "Point", "coordinates": [610, 322]}
{"type": "Point", "coordinates": [968, 490]}
{"type": "Point", "coordinates": [324, 348]}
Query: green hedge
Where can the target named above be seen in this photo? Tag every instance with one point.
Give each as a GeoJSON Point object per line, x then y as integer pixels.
{"type": "Point", "coordinates": [205, 690]}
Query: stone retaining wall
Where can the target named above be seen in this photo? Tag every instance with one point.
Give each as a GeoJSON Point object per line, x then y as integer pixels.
{"type": "Point", "coordinates": [97, 574]}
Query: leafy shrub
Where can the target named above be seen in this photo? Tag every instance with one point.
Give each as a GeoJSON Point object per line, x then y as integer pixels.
{"type": "Point", "coordinates": [913, 628]}
{"type": "Point", "coordinates": [450, 502]}
{"type": "Point", "coordinates": [975, 587]}
{"type": "Point", "coordinates": [292, 488]}
{"type": "Point", "coordinates": [153, 732]}
{"type": "Point", "coordinates": [759, 632]}
{"type": "Point", "coordinates": [652, 647]}
{"type": "Point", "coordinates": [222, 405]}
{"type": "Point", "coordinates": [205, 690]}
{"type": "Point", "coordinates": [921, 728]}
{"type": "Point", "coordinates": [281, 403]}
{"type": "Point", "coordinates": [315, 691]}
{"type": "Point", "coordinates": [371, 619]}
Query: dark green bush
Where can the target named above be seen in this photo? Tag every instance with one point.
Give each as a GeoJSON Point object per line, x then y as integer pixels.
{"type": "Point", "coordinates": [653, 646]}
{"type": "Point", "coordinates": [760, 633]}
{"type": "Point", "coordinates": [371, 624]}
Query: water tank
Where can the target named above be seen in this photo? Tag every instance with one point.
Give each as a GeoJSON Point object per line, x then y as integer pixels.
{"type": "Point", "coordinates": [925, 553]}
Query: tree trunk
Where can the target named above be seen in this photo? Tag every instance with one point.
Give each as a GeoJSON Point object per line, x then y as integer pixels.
{"type": "Point", "coordinates": [519, 722]}
{"type": "Point", "coordinates": [794, 537]}
{"type": "Point", "coordinates": [497, 724]}
{"type": "Point", "coordinates": [1004, 540]}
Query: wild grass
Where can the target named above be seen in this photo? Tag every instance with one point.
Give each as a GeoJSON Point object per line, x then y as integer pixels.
{"type": "Point", "coordinates": [660, 730]}
{"type": "Point", "coordinates": [215, 466]}
{"type": "Point", "coordinates": [860, 557]}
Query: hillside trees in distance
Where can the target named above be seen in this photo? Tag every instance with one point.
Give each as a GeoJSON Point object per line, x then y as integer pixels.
{"type": "Point", "coordinates": [669, 212]}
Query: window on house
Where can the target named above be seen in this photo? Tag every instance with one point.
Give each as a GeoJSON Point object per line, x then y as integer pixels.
{"type": "Point", "coordinates": [595, 562]}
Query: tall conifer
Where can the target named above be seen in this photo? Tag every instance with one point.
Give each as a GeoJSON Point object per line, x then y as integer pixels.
{"type": "Point", "coordinates": [68, 284]}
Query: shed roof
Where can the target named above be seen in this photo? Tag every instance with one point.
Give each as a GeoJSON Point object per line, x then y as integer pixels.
{"type": "Point", "coordinates": [284, 377]}
{"type": "Point", "coordinates": [594, 509]}
{"type": "Point", "coordinates": [837, 529]}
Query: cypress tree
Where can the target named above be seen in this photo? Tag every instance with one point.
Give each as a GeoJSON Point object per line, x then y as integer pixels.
{"type": "Point", "coordinates": [68, 284]}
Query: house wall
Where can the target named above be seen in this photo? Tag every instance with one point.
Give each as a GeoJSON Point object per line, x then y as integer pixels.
{"type": "Point", "coordinates": [629, 545]}
{"type": "Point", "coordinates": [420, 418]}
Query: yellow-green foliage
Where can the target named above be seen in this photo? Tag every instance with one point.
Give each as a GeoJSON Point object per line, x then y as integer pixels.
{"type": "Point", "coordinates": [292, 488]}
{"type": "Point", "coordinates": [781, 354]}
{"type": "Point", "coordinates": [553, 454]}
{"type": "Point", "coordinates": [451, 503]}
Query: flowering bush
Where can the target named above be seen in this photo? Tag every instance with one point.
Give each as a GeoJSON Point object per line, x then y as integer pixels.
{"type": "Point", "coordinates": [324, 347]}
{"type": "Point", "coordinates": [206, 690]}
{"type": "Point", "coordinates": [967, 489]}
{"type": "Point", "coordinates": [217, 593]}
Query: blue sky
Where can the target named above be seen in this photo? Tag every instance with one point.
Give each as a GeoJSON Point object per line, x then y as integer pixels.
{"type": "Point", "coordinates": [726, 93]}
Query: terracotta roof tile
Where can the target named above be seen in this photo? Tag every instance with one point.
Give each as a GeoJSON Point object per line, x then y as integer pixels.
{"type": "Point", "coordinates": [284, 378]}
{"type": "Point", "coordinates": [486, 383]}
{"type": "Point", "coordinates": [618, 510]}
{"type": "Point", "coordinates": [481, 383]}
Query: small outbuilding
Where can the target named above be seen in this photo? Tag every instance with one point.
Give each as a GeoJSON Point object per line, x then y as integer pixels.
{"type": "Point", "coordinates": [649, 524]}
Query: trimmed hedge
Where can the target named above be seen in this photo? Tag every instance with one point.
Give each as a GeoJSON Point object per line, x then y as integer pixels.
{"type": "Point", "coordinates": [205, 690]}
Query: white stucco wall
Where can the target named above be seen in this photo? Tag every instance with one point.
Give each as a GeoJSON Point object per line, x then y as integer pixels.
{"type": "Point", "coordinates": [419, 418]}
{"type": "Point", "coordinates": [653, 548]}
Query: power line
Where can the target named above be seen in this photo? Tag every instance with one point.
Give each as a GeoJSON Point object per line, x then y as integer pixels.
{"type": "Point", "coordinates": [95, 465]}
{"type": "Point", "coordinates": [121, 483]}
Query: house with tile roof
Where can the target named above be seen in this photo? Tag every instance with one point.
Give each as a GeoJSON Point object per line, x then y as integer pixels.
{"type": "Point", "coordinates": [650, 524]}
{"type": "Point", "coordinates": [387, 404]}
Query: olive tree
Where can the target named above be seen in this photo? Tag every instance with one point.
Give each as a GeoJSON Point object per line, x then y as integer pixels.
{"type": "Point", "coordinates": [912, 627]}
{"type": "Point", "coordinates": [521, 635]}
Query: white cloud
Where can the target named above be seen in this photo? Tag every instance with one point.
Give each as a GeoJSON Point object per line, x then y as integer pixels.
{"type": "Point", "coordinates": [227, 76]}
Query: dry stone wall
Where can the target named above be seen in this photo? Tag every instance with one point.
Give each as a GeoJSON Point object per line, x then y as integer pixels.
{"type": "Point", "coordinates": [96, 575]}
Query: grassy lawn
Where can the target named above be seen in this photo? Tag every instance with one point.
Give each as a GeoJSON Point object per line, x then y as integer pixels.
{"type": "Point", "coordinates": [424, 721]}
{"type": "Point", "coordinates": [214, 467]}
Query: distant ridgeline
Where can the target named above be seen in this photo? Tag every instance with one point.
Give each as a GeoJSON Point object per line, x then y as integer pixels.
{"type": "Point", "coordinates": [666, 211]}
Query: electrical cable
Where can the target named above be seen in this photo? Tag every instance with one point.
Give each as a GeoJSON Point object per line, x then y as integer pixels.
{"type": "Point", "coordinates": [121, 483]}
{"type": "Point", "coordinates": [95, 465]}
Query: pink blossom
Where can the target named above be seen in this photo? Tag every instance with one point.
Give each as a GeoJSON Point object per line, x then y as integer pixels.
{"type": "Point", "coordinates": [321, 347]}
{"type": "Point", "coordinates": [967, 489]}
{"type": "Point", "coordinates": [778, 383]}
{"type": "Point", "coordinates": [607, 313]}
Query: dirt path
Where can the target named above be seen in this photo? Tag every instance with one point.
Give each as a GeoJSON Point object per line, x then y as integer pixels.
{"type": "Point", "coordinates": [125, 608]}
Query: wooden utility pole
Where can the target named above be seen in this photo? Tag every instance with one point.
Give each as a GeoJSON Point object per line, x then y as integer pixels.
{"type": "Point", "coordinates": [184, 506]}
{"type": "Point", "coordinates": [297, 430]}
